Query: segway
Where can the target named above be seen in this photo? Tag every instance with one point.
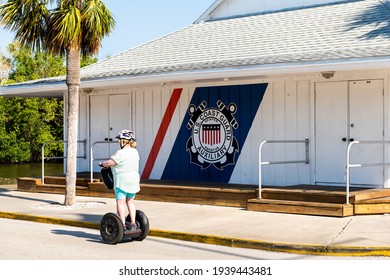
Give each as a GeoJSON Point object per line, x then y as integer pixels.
{"type": "Point", "coordinates": [112, 229]}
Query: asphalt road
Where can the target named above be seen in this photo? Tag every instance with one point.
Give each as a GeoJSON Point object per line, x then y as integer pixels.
{"type": "Point", "coordinates": [23, 240]}
{"type": "Point", "coordinates": [40, 251]}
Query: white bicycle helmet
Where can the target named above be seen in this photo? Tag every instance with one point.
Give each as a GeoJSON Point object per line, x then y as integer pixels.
{"type": "Point", "coordinates": [126, 134]}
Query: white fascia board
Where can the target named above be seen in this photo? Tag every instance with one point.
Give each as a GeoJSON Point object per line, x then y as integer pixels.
{"type": "Point", "coordinates": [57, 89]}
{"type": "Point", "coordinates": [35, 90]}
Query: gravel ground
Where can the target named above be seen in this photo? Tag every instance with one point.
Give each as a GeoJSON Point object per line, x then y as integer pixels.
{"type": "Point", "coordinates": [77, 205]}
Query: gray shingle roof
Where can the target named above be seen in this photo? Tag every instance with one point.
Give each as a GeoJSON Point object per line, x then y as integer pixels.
{"type": "Point", "coordinates": [348, 30]}
{"type": "Point", "coordinates": [342, 31]}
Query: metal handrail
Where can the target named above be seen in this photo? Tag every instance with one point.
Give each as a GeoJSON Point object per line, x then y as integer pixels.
{"type": "Point", "coordinates": [91, 158]}
{"type": "Point", "coordinates": [63, 157]}
{"type": "Point", "coordinates": [349, 165]}
{"type": "Point", "coordinates": [306, 160]}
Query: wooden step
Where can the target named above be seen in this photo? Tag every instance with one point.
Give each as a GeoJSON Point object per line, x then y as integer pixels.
{"type": "Point", "coordinates": [58, 180]}
{"type": "Point", "coordinates": [372, 209]}
{"type": "Point", "coordinates": [292, 194]}
{"type": "Point", "coordinates": [379, 205]}
{"type": "Point", "coordinates": [300, 207]}
{"type": "Point", "coordinates": [60, 189]}
{"type": "Point", "coordinates": [367, 194]}
{"type": "Point", "coordinates": [184, 194]}
{"type": "Point", "coordinates": [27, 184]}
{"type": "Point", "coordinates": [193, 200]}
{"type": "Point", "coordinates": [196, 195]}
{"type": "Point", "coordinates": [200, 192]}
{"type": "Point", "coordinates": [98, 189]}
{"type": "Point", "coordinates": [325, 195]}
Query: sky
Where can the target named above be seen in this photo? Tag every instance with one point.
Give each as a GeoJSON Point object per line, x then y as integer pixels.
{"type": "Point", "coordinates": [138, 22]}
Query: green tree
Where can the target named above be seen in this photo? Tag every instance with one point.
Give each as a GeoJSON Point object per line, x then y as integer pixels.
{"type": "Point", "coordinates": [36, 119]}
{"type": "Point", "coordinates": [27, 123]}
{"type": "Point", "coordinates": [87, 60]}
{"type": "Point", "coordinates": [11, 149]}
{"type": "Point", "coordinates": [28, 65]}
{"type": "Point", "coordinates": [73, 27]}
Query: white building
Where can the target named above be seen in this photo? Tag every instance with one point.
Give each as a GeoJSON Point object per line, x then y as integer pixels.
{"type": "Point", "coordinates": [202, 99]}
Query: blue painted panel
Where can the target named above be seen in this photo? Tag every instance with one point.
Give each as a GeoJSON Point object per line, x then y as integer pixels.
{"type": "Point", "coordinates": [215, 128]}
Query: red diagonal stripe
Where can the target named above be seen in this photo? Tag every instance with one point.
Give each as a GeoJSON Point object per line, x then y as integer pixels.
{"type": "Point", "coordinates": [161, 133]}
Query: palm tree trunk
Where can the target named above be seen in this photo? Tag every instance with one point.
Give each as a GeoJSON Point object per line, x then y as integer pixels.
{"type": "Point", "coordinates": [73, 83]}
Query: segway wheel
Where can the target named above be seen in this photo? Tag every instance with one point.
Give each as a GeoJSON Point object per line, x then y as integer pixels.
{"type": "Point", "coordinates": [111, 228]}
{"type": "Point", "coordinates": [143, 222]}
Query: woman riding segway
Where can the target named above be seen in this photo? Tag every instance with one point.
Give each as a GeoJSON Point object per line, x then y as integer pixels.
{"type": "Point", "coordinates": [125, 172]}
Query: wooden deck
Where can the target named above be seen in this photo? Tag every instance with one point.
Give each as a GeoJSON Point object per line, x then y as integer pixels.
{"type": "Point", "coordinates": [301, 199]}
{"type": "Point", "coordinates": [322, 201]}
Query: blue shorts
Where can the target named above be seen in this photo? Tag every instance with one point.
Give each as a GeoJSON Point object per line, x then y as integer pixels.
{"type": "Point", "coordinates": [120, 194]}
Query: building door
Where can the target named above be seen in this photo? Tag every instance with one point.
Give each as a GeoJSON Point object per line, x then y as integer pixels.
{"type": "Point", "coordinates": [347, 111]}
{"type": "Point", "coordinates": [108, 115]}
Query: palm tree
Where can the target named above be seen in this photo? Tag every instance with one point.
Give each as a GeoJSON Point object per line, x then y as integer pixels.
{"type": "Point", "coordinates": [73, 28]}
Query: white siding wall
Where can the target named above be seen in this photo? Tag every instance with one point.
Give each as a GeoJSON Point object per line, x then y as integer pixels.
{"type": "Point", "coordinates": [386, 112]}
{"type": "Point", "coordinates": [286, 113]}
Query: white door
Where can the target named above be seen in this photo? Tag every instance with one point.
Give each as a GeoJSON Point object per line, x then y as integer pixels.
{"type": "Point", "coordinates": [108, 115]}
{"type": "Point", "coordinates": [119, 117]}
{"type": "Point", "coordinates": [331, 129]}
{"type": "Point", "coordinates": [346, 111]}
{"type": "Point", "coordinates": [99, 124]}
{"type": "Point", "coordinates": [366, 124]}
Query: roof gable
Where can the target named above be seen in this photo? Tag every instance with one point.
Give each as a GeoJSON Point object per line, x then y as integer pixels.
{"type": "Point", "coordinates": [222, 9]}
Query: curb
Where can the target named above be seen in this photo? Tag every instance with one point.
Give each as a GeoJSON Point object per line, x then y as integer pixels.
{"type": "Point", "coordinates": [352, 251]}
{"type": "Point", "coordinates": [48, 220]}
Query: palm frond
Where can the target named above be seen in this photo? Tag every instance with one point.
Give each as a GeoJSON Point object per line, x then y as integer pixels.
{"type": "Point", "coordinates": [27, 18]}
{"type": "Point", "coordinates": [72, 22]}
{"type": "Point", "coordinates": [97, 22]}
{"type": "Point", "coordinates": [64, 28]}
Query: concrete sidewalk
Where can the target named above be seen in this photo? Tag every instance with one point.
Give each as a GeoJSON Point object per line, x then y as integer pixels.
{"type": "Point", "coordinates": [349, 236]}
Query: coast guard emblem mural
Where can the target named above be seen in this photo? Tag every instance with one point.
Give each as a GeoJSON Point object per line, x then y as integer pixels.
{"type": "Point", "coordinates": [212, 141]}
{"type": "Point", "coordinates": [213, 132]}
